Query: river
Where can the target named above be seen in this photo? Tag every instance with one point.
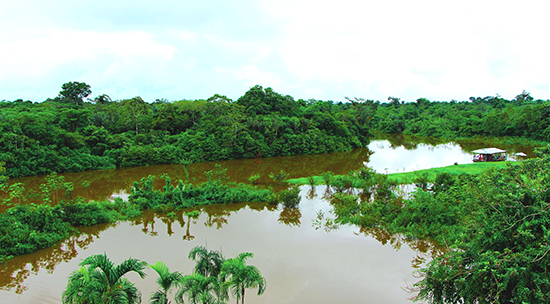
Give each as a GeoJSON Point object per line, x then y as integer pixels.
{"type": "Point", "coordinates": [302, 259]}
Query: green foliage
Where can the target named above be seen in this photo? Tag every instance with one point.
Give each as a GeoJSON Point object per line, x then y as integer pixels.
{"type": "Point", "coordinates": [278, 177]}
{"type": "Point", "coordinates": [237, 276]}
{"type": "Point", "coordinates": [215, 191]}
{"type": "Point", "coordinates": [75, 92]}
{"type": "Point", "coordinates": [3, 178]}
{"type": "Point", "coordinates": [103, 282]}
{"type": "Point", "coordinates": [488, 116]}
{"type": "Point", "coordinates": [208, 263]}
{"type": "Point", "coordinates": [57, 136]}
{"type": "Point", "coordinates": [166, 281]}
{"type": "Point", "coordinates": [290, 198]}
{"type": "Point", "coordinates": [501, 255]}
{"type": "Point", "coordinates": [198, 289]}
{"type": "Point", "coordinates": [494, 224]}
{"type": "Point", "coordinates": [254, 179]}
{"type": "Point", "coordinates": [98, 280]}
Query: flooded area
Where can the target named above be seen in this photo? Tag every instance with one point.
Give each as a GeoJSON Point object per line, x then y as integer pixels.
{"type": "Point", "coordinates": [303, 259]}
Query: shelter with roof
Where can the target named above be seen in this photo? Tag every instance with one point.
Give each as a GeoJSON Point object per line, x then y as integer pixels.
{"type": "Point", "coordinates": [489, 154]}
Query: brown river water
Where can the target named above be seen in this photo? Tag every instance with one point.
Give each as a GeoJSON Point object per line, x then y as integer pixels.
{"type": "Point", "coordinates": [302, 259]}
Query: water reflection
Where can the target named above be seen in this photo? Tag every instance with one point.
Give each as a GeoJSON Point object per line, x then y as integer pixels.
{"type": "Point", "coordinates": [387, 153]}
{"type": "Point", "coordinates": [14, 272]}
{"type": "Point", "coordinates": [102, 184]}
{"type": "Point", "coordinates": [239, 227]}
{"type": "Point", "coordinates": [404, 153]}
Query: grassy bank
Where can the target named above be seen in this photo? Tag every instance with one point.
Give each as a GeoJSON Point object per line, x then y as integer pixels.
{"type": "Point", "coordinates": [409, 177]}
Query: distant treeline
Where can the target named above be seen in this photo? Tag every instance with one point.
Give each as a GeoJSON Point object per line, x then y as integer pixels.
{"type": "Point", "coordinates": [69, 134]}
{"type": "Point", "coordinates": [522, 116]}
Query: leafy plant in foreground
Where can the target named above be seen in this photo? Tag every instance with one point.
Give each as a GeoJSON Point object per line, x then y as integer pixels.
{"type": "Point", "coordinates": [237, 276]}
{"type": "Point", "coordinates": [103, 282]}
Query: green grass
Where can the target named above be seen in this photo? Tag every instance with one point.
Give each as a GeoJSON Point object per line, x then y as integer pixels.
{"type": "Point", "coordinates": [409, 177]}
{"type": "Point", "coordinates": [473, 169]}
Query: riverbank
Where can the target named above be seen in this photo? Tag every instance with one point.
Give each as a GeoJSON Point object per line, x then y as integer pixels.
{"type": "Point", "coordinates": [410, 177]}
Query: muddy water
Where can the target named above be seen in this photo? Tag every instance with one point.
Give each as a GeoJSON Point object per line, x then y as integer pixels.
{"type": "Point", "coordinates": [304, 261]}
{"type": "Point", "coordinates": [301, 264]}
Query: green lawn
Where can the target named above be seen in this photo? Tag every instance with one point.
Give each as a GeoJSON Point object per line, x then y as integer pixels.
{"type": "Point", "coordinates": [409, 177]}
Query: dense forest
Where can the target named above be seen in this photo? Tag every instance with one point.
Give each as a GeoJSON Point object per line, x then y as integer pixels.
{"type": "Point", "coordinates": [68, 134]}
{"type": "Point", "coordinates": [522, 116]}
{"type": "Point", "coordinates": [71, 133]}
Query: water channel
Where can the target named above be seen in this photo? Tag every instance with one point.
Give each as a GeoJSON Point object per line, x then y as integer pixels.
{"type": "Point", "coordinates": [303, 262]}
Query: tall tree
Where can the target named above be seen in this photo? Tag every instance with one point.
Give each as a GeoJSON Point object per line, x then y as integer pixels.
{"type": "Point", "coordinates": [75, 91]}
{"type": "Point", "coordinates": [103, 282]}
{"type": "Point", "coordinates": [238, 276]}
{"type": "Point", "coordinates": [135, 108]}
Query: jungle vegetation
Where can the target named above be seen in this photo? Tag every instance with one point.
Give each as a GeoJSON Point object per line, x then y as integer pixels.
{"type": "Point", "coordinates": [33, 221]}
{"type": "Point", "coordinates": [101, 281]}
{"type": "Point", "coordinates": [71, 134]}
{"type": "Point", "coordinates": [494, 227]}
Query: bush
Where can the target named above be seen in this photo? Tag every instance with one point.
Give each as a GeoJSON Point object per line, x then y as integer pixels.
{"type": "Point", "coordinates": [290, 198]}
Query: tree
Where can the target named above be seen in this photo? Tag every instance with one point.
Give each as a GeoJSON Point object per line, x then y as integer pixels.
{"type": "Point", "coordinates": [208, 263]}
{"type": "Point", "coordinates": [199, 289]}
{"type": "Point", "coordinates": [3, 178]}
{"type": "Point", "coordinates": [502, 254]}
{"type": "Point", "coordinates": [76, 287]}
{"type": "Point", "coordinates": [523, 98]}
{"type": "Point", "coordinates": [102, 99]}
{"type": "Point", "coordinates": [103, 282]}
{"type": "Point", "coordinates": [394, 101]}
{"type": "Point", "coordinates": [75, 91]}
{"type": "Point", "coordinates": [238, 276]}
{"type": "Point", "coordinates": [135, 108]}
{"type": "Point", "coordinates": [260, 101]}
{"type": "Point", "coordinates": [166, 281]}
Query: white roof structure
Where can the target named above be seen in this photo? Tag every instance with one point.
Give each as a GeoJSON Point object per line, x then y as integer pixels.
{"type": "Point", "coordinates": [488, 151]}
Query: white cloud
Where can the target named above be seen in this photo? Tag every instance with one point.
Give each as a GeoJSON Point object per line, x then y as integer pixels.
{"type": "Point", "coordinates": [104, 59]}
{"type": "Point", "coordinates": [417, 48]}
{"type": "Point", "coordinates": [250, 75]}
{"type": "Point", "coordinates": [37, 57]}
{"type": "Point", "coordinates": [309, 49]}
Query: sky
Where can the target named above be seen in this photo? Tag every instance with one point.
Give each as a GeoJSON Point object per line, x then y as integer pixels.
{"type": "Point", "coordinates": [325, 50]}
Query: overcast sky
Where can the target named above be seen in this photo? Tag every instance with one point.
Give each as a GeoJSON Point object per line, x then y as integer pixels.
{"type": "Point", "coordinates": [179, 49]}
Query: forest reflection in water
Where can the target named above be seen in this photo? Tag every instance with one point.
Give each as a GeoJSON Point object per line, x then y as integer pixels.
{"type": "Point", "coordinates": [301, 264]}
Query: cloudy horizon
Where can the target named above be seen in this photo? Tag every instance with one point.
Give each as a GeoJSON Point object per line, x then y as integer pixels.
{"type": "Point", "coordinates": [307, 49]}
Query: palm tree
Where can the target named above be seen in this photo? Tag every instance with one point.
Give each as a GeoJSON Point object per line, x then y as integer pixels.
{"type": "Point", "coordinates": [199, 289]}
{"type": "Point", "coordinates": [238, 276]}
{"type": "Point", "coordinates": [166, 281]}
{"type": "Point", "coordinates": [76, 287]}
{"type": "Point", "coordinates": [208, 263]}
{"type": "Point", "coordinates": [102, 282]}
